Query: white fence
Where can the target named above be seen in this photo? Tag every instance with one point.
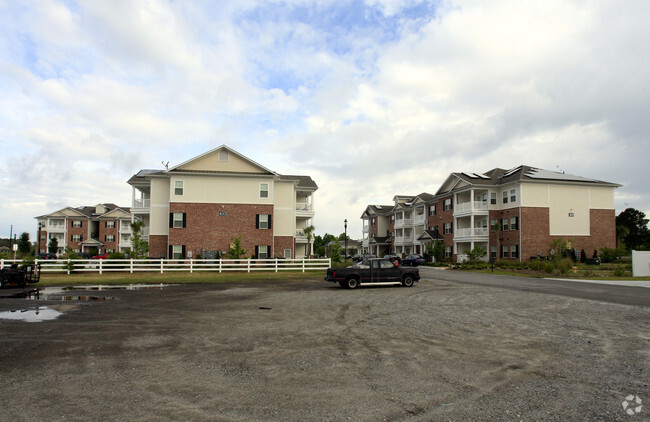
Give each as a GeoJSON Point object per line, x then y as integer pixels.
{"type": "Point", "coordinates": [167, 265]}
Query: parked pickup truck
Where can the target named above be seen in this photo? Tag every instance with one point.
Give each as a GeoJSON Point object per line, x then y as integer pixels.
{"type": "Point", "coordinates": [20, 275]}
{"type": "Point", "coordinates": [372, 271]}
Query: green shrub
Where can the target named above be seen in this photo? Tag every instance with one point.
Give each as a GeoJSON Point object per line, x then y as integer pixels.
{"type": "Point", "coordinates": [619, 271]}
{"type": "Point", "coordinates": [563, 266]}
{"type": "Point", "coordinates": [548, 267]}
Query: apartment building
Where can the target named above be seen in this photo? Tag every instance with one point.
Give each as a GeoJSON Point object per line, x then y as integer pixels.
{"type": "Point", "coordinates": [512, 214]}
{"type": "Point", "coordinates": [103, 227]}
{"type": "Point", "coordinates": [199, 206]}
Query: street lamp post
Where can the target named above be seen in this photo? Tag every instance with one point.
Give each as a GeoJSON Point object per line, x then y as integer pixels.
{"type": "Point", "coordinates": [38, 234]}
{"type": "Point", "coordinates": [345, 252]}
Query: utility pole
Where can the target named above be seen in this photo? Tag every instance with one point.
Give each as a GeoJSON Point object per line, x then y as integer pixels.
{"type": "Point", "coordinates": [11, 234]}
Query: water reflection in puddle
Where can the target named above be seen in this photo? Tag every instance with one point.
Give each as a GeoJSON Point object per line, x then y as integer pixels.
{"type": "Point", "coordinates": [55, 293]}
{"type": "Point", "coordinates": [42, 313]}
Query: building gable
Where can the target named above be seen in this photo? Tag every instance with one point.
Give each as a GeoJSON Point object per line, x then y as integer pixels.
{"type": "Point", "coordinates": [222, 160]}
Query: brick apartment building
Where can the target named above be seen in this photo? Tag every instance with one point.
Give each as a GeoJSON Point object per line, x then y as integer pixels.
{"type": "Point", "coordinates": [103, 227]}
{"type": "Point", "coordinates": [531, 206]}
{"type": "Point", "coordinates": [199, 206]}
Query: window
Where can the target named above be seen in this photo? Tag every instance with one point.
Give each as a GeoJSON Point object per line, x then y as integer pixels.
{"type": "Point", "coordinates": [432, 210]}
{"type": "Point", "coordinates": [287, 253]}
{"type": "Point", "coordinates": [514, 223]}
{"type": "Point", "coordinates": [177, 220]}
{"type": "Point", "coordinates": [493, 198]}
{"type": "Point", "coordinates": [223, 155]}
{"type": "Point", "coordinates": [263, 221]}
{"type": "Point", "coordinates": [110, 224]}
{"type": "Point", "coordinates": [448, 204]}
{"type": "Point", "coordinates": [504, 251]}
{"type": "Point", "coordinates": [513, 195]}
{"type": "Point", "coordinates": [493, 224]}
{"type": "Point", "coordinates": [109, 238]}
{"type": "Point", "coordinates": [76, 237]}
{"type": "Point", "coordinates": [493, 252]}
{"type": "Point", "coordinates": [178, 187]}
{"type": "Point", "coordinates": [110, 251]}
{"type": "Point", "coordinates": [392, 219]}
{"type": "Point", "coordinates": [504, 224]}
{"type": "Point", "coordinates": [448, 252]}
{"type": "Point", "coordinates": [505, 196]}
{"type": "Point", "coordinates": [43, 238]}
{"type": "Point", "coordinates": [373, 222]}
{"type": "Point", "coordinates": [177, 251]}
{"type": "Point", "coordinates": [514, 251]}
{"type": "Point", "coordinates": [76, 224]}
{"type": "Point", "coordinates": [262, 252]}
{"type": "Point", "coordinates": [264, 190]}
{"type": "Point", "coordinates": [447, 227]}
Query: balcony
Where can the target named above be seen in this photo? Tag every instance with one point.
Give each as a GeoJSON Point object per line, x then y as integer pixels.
{"type": "Point", "coordinates": [304, 209]}
{"type": "Point", "coordinates": [478, 232]}
{"type": "Point", "coordinates": [141, 204]}
{"type": "Point", "coordinates": [471, 207]}
{"type": "Point", "coordinates": [366, 228]}
{"type": "Point", "coordinates": [404, 239]}
{"type": "Point", "coordinates": [403, 222]}
{"type": "Point", "coordinates": [420, 219]}
{"type": "Point", "coordinates": [301, 237]}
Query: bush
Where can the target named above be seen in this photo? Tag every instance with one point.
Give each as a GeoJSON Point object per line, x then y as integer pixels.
{"type": "Point", "coordinates": [563, 266]}
{"type": "Point", "coordinates": [548, 267]}
{"type": "Point", "coordinates": [619, 271]}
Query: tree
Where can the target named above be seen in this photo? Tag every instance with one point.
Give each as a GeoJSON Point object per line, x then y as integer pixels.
{"type": "Point", "coordinates": [335, 252]}
{"type": "Point", "coordinates": [437, 250]}
{"type": "Point", "coordinates": [638, 235]}
{"type": "Point", "coordinates": [235, 251]}
{"type": "Point", "coordinates": [53, 246]}
{"type": "Point", "coordinates": [139, 246]}
{"type": "Point", "coordinates": [342, 236]}
{"type": "Point", "coordinates": [477, 253]}
{"type": "Point", "coordinates": [24, 245]}
{"type": "Point", "coordinates": [309, 232]}
{"type": "Point", "coordinates": [319, 246]}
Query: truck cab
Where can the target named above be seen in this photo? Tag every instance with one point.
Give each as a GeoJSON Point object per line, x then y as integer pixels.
{"type": "Point", "coordinates": [372, 271]}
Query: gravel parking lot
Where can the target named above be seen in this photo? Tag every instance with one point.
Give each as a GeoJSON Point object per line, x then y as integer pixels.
{"type": "Point", "coordinates": [446, 349]}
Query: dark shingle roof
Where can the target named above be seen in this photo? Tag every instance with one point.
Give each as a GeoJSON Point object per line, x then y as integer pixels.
{"type": "Point", "coordinates": [303, 181]}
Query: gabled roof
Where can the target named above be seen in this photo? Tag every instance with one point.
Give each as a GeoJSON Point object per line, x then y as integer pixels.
{"type": "Point", "coordinates": [430, 234]}
{"type": "Point", "coordinates": [379, 210]}
{"type": "Point", "coordinates": [304, 182]}
{"type": "Point", "coordinates": [212, 158]}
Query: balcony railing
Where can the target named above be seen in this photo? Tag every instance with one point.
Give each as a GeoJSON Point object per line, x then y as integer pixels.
{"type": "Point", "coordinates": [475, 232]}
{"type": "Point", "coordinates": [420, 219]}
{"type": "Point", "coordinates": [304, 206]}
{"type": "Point", "coordinates": [403, 222]}
{"type": "Point", "coordinates": [142, 203]}
{"type": "Point", "coordinates": [471, 206]}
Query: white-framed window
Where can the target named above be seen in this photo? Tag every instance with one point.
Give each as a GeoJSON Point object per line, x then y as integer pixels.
{"type": "Point", "coordinates": [493, 224]}
{"type": "Point", "coordinates": [76, 224]}
{"type": "Point", "coordinates": [287, 253]}
{"type": "Point", "coordinates": [505, 196]}
{"type": "Point", "coordinates": [513, 195]}
{"type": "Point", "coordinates": [504, 224]}
{"type": "Point", "coordinates": [110, 224]}
{"type": "Point", "coordinates": [514, 251]}
{"type": "Point", "coordinates": [76, 238]}
{"type": "Point", "coordinates": [178, 187]}
{"type": "Point", "coordinates": [262, 252]}
{"type": "Point", "coordinates": [263, 221]}
{"type": "Point", "coordinates": [223, 155]}
{"type": "Point", "coordinates": [493, 198]}
{"type": "Point", "coordinates": [504, 251]}
{"type": "Point", "coordinates": [178, 252]}
{"type": "Point", "coordinates": [110, 251]}
{"type": "Point", "coordinates": [178, 220]}
{"type": "Point", "coordinates": [447, 227]}
{"type": "Point", "coordinates": [264, 190]}
{"type": "Point", "coordinates": [432, 210]}
{"type": "Point", "coordinates": [109, 238]}
{"type": "Point", "coordinates": [514, 223]}
{"type": "Point", "coordinates": [447, 205]}
{"type": "Point", "coordinates": [448, 252]}
{"type": "Point", "coordinates": [493, 252]}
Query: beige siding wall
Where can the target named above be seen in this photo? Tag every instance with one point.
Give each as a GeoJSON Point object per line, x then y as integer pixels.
{"type": "Point", "coordinates": [159, 206]}
{"type": "Point", "coordinates": [234, 164]}
{"type": "Point", "coordinates": [284, 216]}
{"type": "Point", "coordinates": [533, 195]}
{"type": "Point", "coordinates": [601, 198]}
{"type": "Point", "coordinates": [214, 189]}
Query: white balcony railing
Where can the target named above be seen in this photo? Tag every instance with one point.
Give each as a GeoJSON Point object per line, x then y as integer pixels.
{"type": "Point", "coordinates": [471, 206]}
{"type": "Point", "coordinates": [420, 219]}
{"type": "Point", "coordinates": [304, 206]}
{"type": "Point", "coordinates": [404, 222]}
{"type": "Point", "coordinates": [475, 232]}
{"type": "Point", "coordinates": [366, 228]}
{"type": "Point", "coordinates": [142, 203]}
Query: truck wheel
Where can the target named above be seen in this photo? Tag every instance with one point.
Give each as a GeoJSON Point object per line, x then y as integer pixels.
{"type": "Point", "coordinates": [407, 281]}
{"type": "Point", "coordinates": [352, 283]}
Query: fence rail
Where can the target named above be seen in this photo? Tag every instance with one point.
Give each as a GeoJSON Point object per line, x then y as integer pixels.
{"type": "Point", "coordinates": [162, 265]}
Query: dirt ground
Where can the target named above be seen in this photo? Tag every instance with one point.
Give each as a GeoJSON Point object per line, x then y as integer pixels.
{"type": "Point", "coordinates": [450, 348]}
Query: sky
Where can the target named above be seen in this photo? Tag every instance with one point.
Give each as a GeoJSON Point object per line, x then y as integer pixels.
{"type": "Point", "coordinates": [371, 98]}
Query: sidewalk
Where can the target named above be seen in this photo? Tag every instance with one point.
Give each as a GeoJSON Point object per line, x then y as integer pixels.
{"type": "Point", "coordinates": [632, 283]}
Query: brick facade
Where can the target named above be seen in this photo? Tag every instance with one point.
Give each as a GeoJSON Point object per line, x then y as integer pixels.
{"type": "Point", "coordinates": [158, 246]}
{"type": "Point", "coordinates": [105, 232]}
{"type": "Point", "coordinates": [212, 227]}
{"type": "Point", "coordinates": [285, 242]}
{"type": "Point", "coordinates": [73, 231]}
{"type": "Point", "coordinates": [537, 240]}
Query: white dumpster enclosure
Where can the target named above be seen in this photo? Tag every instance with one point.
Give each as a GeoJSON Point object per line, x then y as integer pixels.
{"type": "Point", "coordinates": [641, 263]}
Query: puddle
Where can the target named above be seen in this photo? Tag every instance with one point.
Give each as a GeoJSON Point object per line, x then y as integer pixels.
{"type": "Point", "coordinates": [121, 287]}
{"type": "Point", "coordinates": [56, 294]}
{"type": "Point", "coordinates": [42, 313]}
